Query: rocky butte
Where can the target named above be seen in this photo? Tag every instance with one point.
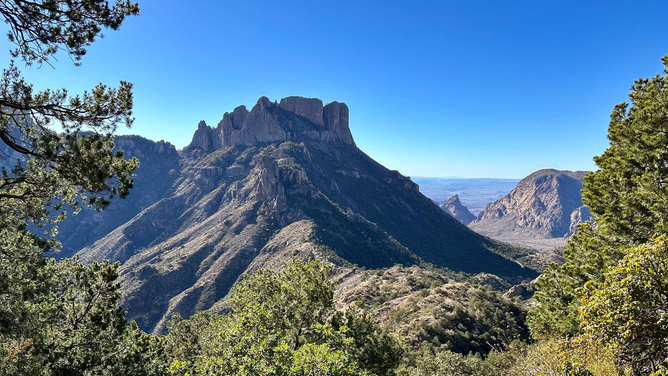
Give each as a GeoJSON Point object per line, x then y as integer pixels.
{"type": "Point", "coordinates": [282, 180]}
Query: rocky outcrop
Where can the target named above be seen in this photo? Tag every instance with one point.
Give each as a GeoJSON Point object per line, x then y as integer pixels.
{"type": "Point", "coordinates": [517, 290]}
{"type": "Point", "coordinates": [229, 127]}
{"type": "Point", "coordinates": [294, 118]}
{"type": "Point", "coordinates": [455, 208]}
{"type": "Point", "coordinates": [137, 146]}
{"type": "Point", "coordinates": [545, 205]}
{"type": "Point", "coordinates": [261, 126]}
{"type": "Point", "coordinates": [203, 138]}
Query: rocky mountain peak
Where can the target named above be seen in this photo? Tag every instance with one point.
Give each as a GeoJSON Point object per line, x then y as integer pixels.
{"type": "Point", "coordinates": [458, 210]}
{"type": "Point", "coordinates": [291, 186]}
{"type": "Point", "coordinates": [231, 122]}
{"type": "Point", "coordinates": [291, 119]}
{"type": "Point", "coordinates": [204, 137]}
{"type": "Point", "coordinates": [547, 204]}
{"type": "Point", "coordinates": [335, 117]}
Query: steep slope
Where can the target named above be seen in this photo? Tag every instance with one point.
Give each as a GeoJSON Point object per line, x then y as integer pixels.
{"type": "Point", "coordinates": [158, 169]}
{"type": "Point", "coordinates": [542, 212]}
{"type": "Point", "coordinates": [282, 180]}
{"type": "Point", "coordinates": [458, 210]}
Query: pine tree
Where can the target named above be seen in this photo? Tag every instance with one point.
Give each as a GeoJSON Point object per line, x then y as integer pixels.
{"type": "Point", "coordinates": [628, 197]}
{"type": "Point", "coordinates": [61, 318]}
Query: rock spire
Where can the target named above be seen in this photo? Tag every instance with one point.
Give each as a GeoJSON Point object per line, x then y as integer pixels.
{"type": "Point", "coordinates": [458, 210]}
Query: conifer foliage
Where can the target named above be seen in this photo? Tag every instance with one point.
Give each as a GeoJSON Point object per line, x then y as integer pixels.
{"type": "Point", "coordinates": [628, 197]}
{"type": "Point", "coordinates": [61, 318]}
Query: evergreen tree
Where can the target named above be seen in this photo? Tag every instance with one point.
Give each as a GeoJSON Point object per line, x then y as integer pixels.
{"type": "Point", "coordinates": [61, 318]}
{"type": "Point", "coordinates": [626, 313]}
{"type": "Point", "coordinates": [628, 197]}
{"type": "Point", "coordinates": [48, 169]}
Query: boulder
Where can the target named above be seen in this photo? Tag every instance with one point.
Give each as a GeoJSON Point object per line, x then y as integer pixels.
{"type": "Point", "coordinates": [517, 290]}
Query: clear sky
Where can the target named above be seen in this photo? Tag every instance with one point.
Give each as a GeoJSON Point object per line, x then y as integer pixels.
{"type": "Point", "coordinates": [435, 88]}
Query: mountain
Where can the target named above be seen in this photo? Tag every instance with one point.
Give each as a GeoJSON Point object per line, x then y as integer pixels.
{"type": "Point", "coordinates": [541, 212]}
{"type": "Point", "coordinates": [159, 168]}
{"type": "Point", "coordinates": [457, 210]}
{"type": "Point", "coordinates": [282, 180]}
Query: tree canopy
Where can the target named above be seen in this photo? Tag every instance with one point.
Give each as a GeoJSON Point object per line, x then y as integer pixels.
{"type": "Point", "coordinates": [627, 312]}
{"type": "Point", "coordinates": [43, 168]}
{"type": "Point", "coordinates": [282, 324]}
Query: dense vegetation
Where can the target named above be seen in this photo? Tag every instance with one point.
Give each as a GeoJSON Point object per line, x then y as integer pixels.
{"type": "Point", "coordinates": [60, 317]}
{"type": "Point", "coordinates": [610, 289]}
{"type": "Point", "coordinates": [437, 309]}
{"type": "Point", "coordinates": [282, 324]}
{"type": "Point", "coordinates": [600, 313]}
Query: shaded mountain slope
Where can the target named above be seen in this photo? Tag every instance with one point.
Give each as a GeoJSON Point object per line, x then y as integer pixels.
{"type": "Point", "coordinates": [456, 209]}
{"type": "Point", "coordinates": [541, 212]}
{"type": "Point", "coordinates": [158, 169]}
{"type": "Point", "coordinates": [282, 180]}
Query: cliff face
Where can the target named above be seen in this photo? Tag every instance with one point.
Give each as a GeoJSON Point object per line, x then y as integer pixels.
{"type": "Point", "coordinates": [458, 210]}
{"type": "Point", "coordinates": [309, 108]}
{"type": "Point", "coordinates": [293, 118]}
{"type": "Point", "coordinates": [283, 180]}
{"type": "Point", "coordinates": [546, 205]}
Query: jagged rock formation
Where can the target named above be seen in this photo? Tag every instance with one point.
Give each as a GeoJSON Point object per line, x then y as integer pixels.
{"type": "Point", "coordinates": [456, 209]}
{"type": "Point", "coordinates": [292, 118]}
{"type": "Point", "coordinates": [283, 180]}
{"type": "Point", "coordinates": [542, 212]}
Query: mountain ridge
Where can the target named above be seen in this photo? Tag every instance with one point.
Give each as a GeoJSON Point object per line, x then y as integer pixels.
{"type": "Point", "coordinates": [306, 191]}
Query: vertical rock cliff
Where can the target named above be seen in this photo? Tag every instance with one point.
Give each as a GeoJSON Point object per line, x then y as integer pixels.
{"type": "Point", "coordinates": [291, 119]}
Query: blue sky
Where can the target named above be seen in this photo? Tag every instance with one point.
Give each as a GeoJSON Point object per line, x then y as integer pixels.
{"type": "Point", "coordinates": [435, 88]}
